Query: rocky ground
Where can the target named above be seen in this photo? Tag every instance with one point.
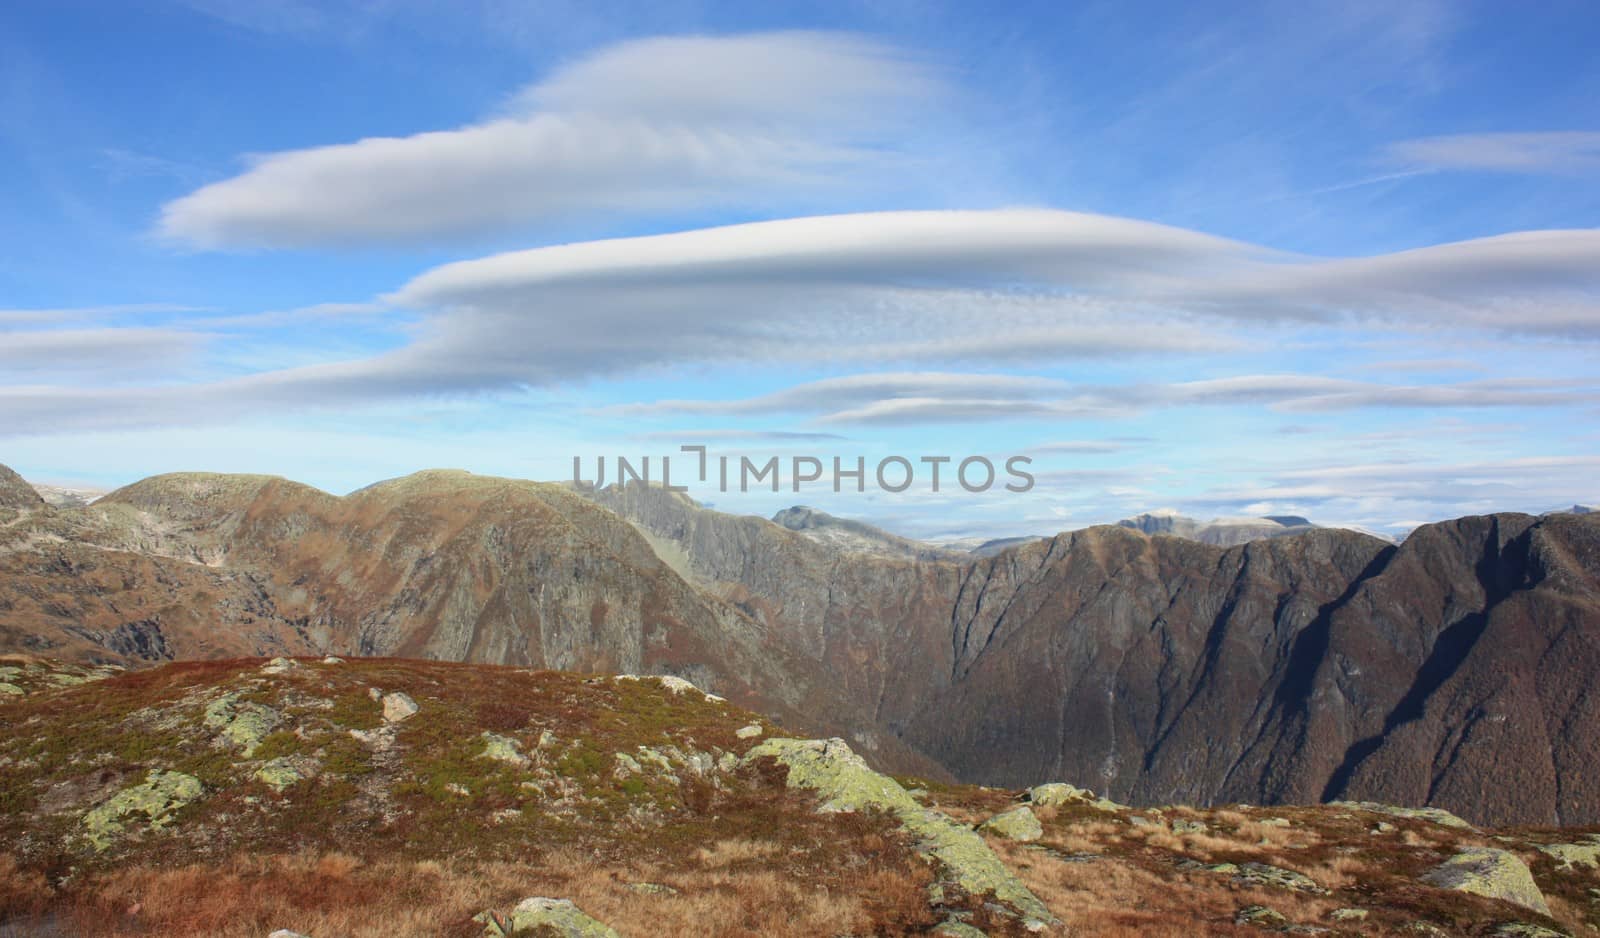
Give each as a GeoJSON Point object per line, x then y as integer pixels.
{"type": "Point", "coordinates": [331, 797]}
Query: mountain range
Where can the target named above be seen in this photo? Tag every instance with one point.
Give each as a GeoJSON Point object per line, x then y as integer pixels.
{"type": "Point", "coordinates": [1451, 670]}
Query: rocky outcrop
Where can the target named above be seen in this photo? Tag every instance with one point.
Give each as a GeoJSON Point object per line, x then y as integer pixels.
{"type": "Point", "coordinates": [157, 799]}
{"type": "Point", "coordinates": [844, 782]}
{"type": "Point", "coordinates": [558, 917]}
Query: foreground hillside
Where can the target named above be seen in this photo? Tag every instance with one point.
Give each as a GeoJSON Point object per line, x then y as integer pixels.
{"type": "Point", "coordinates": [1452, 670]}
{"type": "Point", "coordinates": [405, 798]}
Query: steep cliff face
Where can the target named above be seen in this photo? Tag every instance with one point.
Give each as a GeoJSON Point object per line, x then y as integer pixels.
{"type": "Point", "coordinates": [1451, 670]}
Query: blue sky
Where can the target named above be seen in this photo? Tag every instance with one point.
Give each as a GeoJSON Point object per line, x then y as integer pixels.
{"type": "Point", "coordinates": [1331, 259]}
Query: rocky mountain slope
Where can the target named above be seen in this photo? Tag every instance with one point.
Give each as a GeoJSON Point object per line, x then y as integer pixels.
{"type": "Point", "coordinates": [1451, 670]}
{"type": "Point", "coordinates": [858, 537]}
{"type": "Point", "coordinates": [325, 797]}
{"type": "Point", "coordinates": [1221, 532]}
{"type": "Point", "coordinates": [1328, 664]}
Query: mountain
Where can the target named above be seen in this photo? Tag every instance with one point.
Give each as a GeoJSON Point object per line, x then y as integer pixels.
{"type": "Point", "coordinates": [1300, 668]}
{"type": "Point", "coordinates": [16, 494]}
{"type": "Point", "coordinates": [1450, 670]}
{"type": "Point", "coordinates": [61, 496]}
{"type": "Point", "coordinates": [370, 798]}
{"type": "Point", "coordinates": [857, 537]}
{"type": "Point", "coordinates": [1223, 532]}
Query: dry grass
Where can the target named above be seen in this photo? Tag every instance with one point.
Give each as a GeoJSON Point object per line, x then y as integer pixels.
{"type": "Point", "coordinates": [336, 894]}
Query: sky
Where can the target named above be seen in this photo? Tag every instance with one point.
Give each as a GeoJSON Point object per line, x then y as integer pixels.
{"type": "Point", "coordinates": [1331, 259]}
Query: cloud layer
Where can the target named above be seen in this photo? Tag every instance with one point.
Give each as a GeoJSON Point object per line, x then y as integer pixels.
{"type": "Point", "coordinates": [640, 128]}
{"type": "Point", "coordinates": [918, 289]}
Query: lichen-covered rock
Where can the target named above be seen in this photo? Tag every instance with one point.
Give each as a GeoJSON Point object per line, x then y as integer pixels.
{"type": "Point", "coordinates": [503, 749]}
{"type": "Point", "coordinates": [652, 889]}
{"type": "Point", "coordinates": [1017, 824]}
{"type": "Point", "coordinates": [844, 782]}
{"type": "Point", "coordinates": [333, 659]}
{"type": "Point", "coordinates": [560, 916]}
{"type": "Point", "coordinates": [671, 682]}
{"type": "Point", "coordinates": [1262, 874]}
{"type": "Point", "coordinates": [1260, 916]}
{"type": "Point", "coordinates": [1496, 874]}
{"type": "Point", "coordinates": [1348, 915]}
{"type": "Point", "coordinates": [1574, 855]}
{"type": "Point", "coordinates": [243, 723]}
{"type": "Point", "coordinates": [1525, 930]}
{"type": "Point", "coordinates": [279, 666]}
{"type": "Point", "coordinates": [1186, 826]}
{"type": "Point", "coordinates": [1436, 815]}
{"type": "Point", "coordinates": [279, 774]}
{"type": "Point", "coordinates": [286, 933]}
{"type": "Point", "coordinates": [954, 928]}
{"type": "Point", "coordinates": [398, 707]}
{"type": "Point", "coordinates": [10, 689]}
{"type": "Point", "coordinates": [1060, 793]}
{"type": "Point", "coordinates": [749, 732]}
{"type": "Point", "coordinates": [626, 766]}
{"type": "Point", "coordinates": [158, 798]}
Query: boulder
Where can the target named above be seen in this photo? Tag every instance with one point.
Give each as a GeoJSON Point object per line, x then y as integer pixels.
{"type": "Point", "coordinates": [398, 707]}
{"type": "Point", "coordinates": [557, 916]}
{"type": "Point", "coordinates": [1496, 874]}
{"type": "Point", "coordinates": [1017, 824]}
{"type": "Point", "coordinates": [1574, 855]}
{"type": "Point", "coordinates": [1060, 793]}
{"type": "Point", "coordinates": [748, 732]}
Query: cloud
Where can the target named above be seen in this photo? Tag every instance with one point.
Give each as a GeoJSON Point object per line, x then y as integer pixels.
{"type": "Point", "coordinates": [907, 292]}
{"type": "Point", "coordinates": [1549, 152]}
{"type": "Point", "coordinates": [94, 350]}
{"type": "Point", "coordinates": [69, 313]}
{"type": "Point", "coordinates": [640, 128]}
{"type": "Point", "coordinates": [932, 398]}
{"type": "Point", "coordinates": [690, 437]}
{"type": "Point", "coordinates": [1080, 447]}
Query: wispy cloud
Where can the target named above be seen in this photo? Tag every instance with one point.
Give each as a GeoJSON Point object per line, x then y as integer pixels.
{"type": "Point", "coordinates": [909, 399]}
{"type": "Point", "coordinates": [1575, 151]}
{"type": "Point", "coordinates": [637, 129]}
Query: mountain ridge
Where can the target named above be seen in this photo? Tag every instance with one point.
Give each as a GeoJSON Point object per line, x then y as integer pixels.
{"type": "Point", "coordinates": [1327, 663]}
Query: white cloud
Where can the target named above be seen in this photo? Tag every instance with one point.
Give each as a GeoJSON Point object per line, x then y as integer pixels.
{"type": "Point", "coordinates": [639, 128]}
{"type": "Point", "coordinates": [99, 351]}
{"type": "Point", "coordinates": [1549, 152]}
{"type": "Point", "coordinates": [906, 290]}
{"type": "Point", "coordinates": [904, 399]}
